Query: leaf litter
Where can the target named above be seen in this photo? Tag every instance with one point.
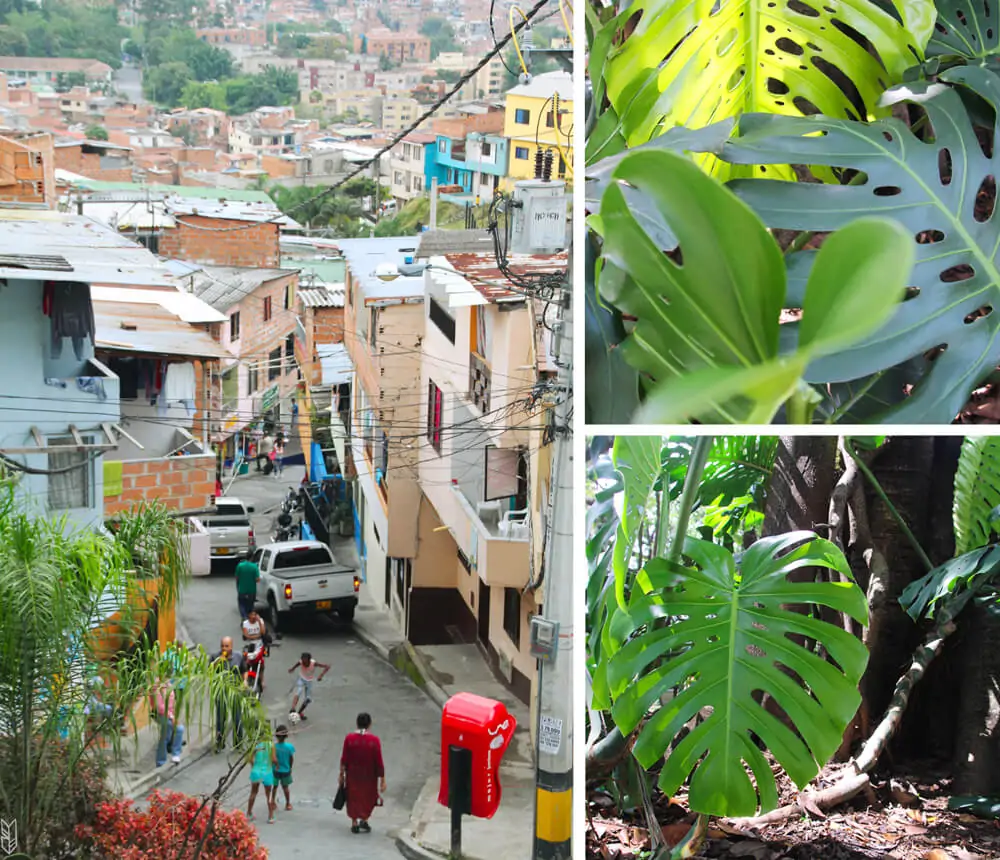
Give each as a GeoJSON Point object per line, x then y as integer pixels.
{"type": "Point", "coordinates": [904, 817]}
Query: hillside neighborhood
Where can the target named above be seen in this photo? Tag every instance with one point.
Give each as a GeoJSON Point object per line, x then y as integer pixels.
{"type": "Point", "coordinates": [253, 306]}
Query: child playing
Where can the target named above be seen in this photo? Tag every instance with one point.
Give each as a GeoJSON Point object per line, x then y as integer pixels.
{"type": "Point", "coordinates": [303, 685]}
{"type": "Point", "coordinates": [284, 754]}
{"type": "Point", "coordinates": [262, 771]}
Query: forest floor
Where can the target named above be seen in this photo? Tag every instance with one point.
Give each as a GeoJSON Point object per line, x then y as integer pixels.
{"type": "Point", "coordinates": [904, 817]}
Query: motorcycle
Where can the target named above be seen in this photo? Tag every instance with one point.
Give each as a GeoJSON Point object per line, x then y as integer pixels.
{"type": "Point", "coordinates": [292, 501]}
{"type": "Point", "coordinates": [287, 530]}
{"type": "Point", "coordinates": [253, 655]}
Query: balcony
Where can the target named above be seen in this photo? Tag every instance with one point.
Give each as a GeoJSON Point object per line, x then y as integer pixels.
{"type": "Point", "coordinates": [495, 542]}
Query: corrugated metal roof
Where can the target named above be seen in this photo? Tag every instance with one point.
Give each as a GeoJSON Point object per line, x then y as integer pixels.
{"type": "Point", "coordinates": [543, 86]}
{"type": "Point", "coordinates": [126, 214]}
{"type": "Point", "coordinates": [472, 274]}
{"type": "Point", "coordinates": [193, 191]}
{"type": "Point", "coordinates": [57, 246]}
{"type": "Point", "coordinates": [181, 304]}
{"type": "Point", "coordinates": [224, 286]}
{"type": "Point", "coordinates": [321, 297]}
{"type": "Point", "coordinates": [149, 328]}
{"type": "Point", "coordinates": [230, 210]}
{"type": "Point", "coordinates": [436, 242]}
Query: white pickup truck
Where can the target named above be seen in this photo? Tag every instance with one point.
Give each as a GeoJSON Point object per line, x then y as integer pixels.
{"type": "Point", "coordinates": [299, 577]}
{"type": "Point", "coordinates": [230, 529]}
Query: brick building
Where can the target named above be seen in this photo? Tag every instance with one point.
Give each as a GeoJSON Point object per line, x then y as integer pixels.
{"type": "Point", "coordinates": [220, 233]}
{"type": "Point", "coordinates": [322, 315]}
{"type": "Point", "coordinates": [259, 305]}
{"type": "Point", "coordinates": [95, 159]}
{"type": "Point", "coordinates": [27, 170]}
{"type": "Point", "coordinates": [380, 41]}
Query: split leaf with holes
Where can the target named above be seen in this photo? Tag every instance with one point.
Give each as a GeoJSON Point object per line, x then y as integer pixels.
{"type": "Point", "coordinates": [966, 28]}
{"type": "Point", "coordinates": [697, 62]}
{"type": "Point", "coordinates": [732, 635]}
{"type": "Point", "coordinates": [942, 191]}
{"type": "Point", "coordinates": [706, 339]}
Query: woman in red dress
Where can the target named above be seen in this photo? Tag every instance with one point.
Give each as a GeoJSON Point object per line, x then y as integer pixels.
{"type": "Point", "coordinates": [362, 774]}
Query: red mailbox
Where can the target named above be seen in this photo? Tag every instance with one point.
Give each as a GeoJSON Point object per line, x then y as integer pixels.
{"type": "Point", "coordinates": [484, 727]}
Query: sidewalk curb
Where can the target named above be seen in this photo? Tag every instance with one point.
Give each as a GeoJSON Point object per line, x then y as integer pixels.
{"type": "Point", "coordinates": [413, 850]}
{"type": "Point", "coordinates": [406, 659]}
{"type": "Point", "coordinates": [164, 774]}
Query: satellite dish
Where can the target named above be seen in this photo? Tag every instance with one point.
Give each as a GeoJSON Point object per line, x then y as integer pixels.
{"type": "Point", "coordinates": [386, 271]}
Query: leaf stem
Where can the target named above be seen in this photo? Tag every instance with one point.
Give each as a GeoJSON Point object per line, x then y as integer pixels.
{"type": "Point", "coordinates": [840, 411]}
{"type": "Point", "coordinates": [692, 842]}
{"type": "Point", "coordinates": [896, 515]}
{"type": "Point", "coordinates": [699, 456]}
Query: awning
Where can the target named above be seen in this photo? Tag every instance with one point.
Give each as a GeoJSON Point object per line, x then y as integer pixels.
{"type": "Point", "coordinates": [336, 363]}
{"type": "Point", "coordinates": [270, 399]}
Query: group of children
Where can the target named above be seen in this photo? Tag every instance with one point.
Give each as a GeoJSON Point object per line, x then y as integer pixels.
{"type": "Point", "coordinates": [271, 763]}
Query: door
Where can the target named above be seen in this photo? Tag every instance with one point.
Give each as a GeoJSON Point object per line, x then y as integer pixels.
{"type": "Point", "coordinates": [484, 614]}
{"type": "Point", "coordinates": [389, 573]}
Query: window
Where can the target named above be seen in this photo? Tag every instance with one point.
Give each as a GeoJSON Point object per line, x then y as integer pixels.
{"type": "Point", "coordinates": [398, 177]}
{"type": "Point", "coordinates": [442, 146]}
{"type": "Point", "coordinates": [512, 614]}
{"type": "Point", "coordinates": [274, 364]}
{"type": "Point", "coordinates": [288, 296]}
{"type": "Point", "coordinates": [73, 488]}
{"type": "Point", "coordinates": [521, 152]}
{"type": "Point", "coordinates": [435, 408]}
{"type": "Point", "coordinates": [253, 383]}
{"type": "Point", "coordinates": [550, 120]}
{"type": "Point", "coordinates": [441, 318]}
{"type": "Point", "coordinates": [487, 149]}
{"type": "Point", "coordinates": [373, 328]}
{"type": "Point", "coordinates": [290, 345]}
{"type": "Point", "coordinates": [522, 116]}
{"type": "Point", "coordinates": [150, 241]}
{"type": "Point", "coordinates": [267, 308]}
{"type": "Point", "coordinates": [234, 326]}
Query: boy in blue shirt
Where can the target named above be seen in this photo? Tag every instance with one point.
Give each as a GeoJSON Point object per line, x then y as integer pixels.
{"type": "Point", "coordinates": [284, 759]}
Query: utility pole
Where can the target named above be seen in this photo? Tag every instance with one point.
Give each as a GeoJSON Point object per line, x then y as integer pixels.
{"type": "Point", "coordinates": [554, 775]}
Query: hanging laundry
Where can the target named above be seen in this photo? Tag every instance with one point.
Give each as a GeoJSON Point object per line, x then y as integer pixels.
{"type": "Point", "coordinates": [70, 313]}
{"type": "Point", "coordinates": [179, 383]}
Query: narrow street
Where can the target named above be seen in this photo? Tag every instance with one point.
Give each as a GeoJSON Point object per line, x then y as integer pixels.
{"type": "Point", "coordinates": [128, 81]}
{"type": "Point", "coordinates": [359, 680]}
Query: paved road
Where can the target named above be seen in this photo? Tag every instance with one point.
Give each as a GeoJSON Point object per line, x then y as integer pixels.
{"type": "Point", "coordinates": [404, 718]}
{"type": "Point", "coordinates": [128, 81]}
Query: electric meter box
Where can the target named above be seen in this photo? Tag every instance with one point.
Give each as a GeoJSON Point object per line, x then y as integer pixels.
{"type": "Point", "coordinates": [539, 217]}
{"type": "Point", "coordinates": [544, 640]}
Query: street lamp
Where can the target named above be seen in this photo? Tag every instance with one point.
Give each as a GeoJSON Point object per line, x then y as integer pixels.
{"type": "Point", "coordinates": [390, 271]}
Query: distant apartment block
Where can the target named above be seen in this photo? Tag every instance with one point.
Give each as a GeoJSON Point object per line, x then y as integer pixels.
{"type": "Point", "coordinates": [48, 69]}
{"type": "Point", "coordinates": [233, 36]}
{"type": "Point", "coordinates": [401, 47]}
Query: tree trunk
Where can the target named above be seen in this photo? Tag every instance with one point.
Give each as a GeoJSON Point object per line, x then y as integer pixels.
{"type": "Point", "coordinates": [903, 467]}
{"type": "Point", "coordinates": [798, 495]}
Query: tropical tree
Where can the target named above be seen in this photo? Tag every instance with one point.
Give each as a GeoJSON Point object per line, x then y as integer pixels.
{"type": "Point", "coordinates": [861, 114]}
{"type": "Point", "coordinates": [685, 629]}
{"type": "Point", "coordinates": [96, 132]}
{"type": "Point", "coordinates": [65, 692]}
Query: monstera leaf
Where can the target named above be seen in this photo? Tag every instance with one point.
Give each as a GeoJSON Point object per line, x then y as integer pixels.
{"type": "Point", "coordinates": [731, 638]}
{"type": "Point", "coordinates": [965, 28]}
{"type": "Point", "coordinates": [696, 62]}
{"type": "Point", "coordinates": [977, 492]}
{"type": "Point", "coordinates": [955, 582]}
{"type": "Point", "coordinates": [942, 192]}
{"type": "Point", "coordinates": [707, 335]}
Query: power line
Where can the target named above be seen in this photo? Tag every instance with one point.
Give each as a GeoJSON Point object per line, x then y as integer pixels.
{"type": "Point", "coordinates": [462, 81]}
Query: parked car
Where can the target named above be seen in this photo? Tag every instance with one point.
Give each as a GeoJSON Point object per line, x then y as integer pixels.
{"type": "Point", "coordinates": [230, 530]}
{"type": "Point", "coordinates": [301, 578]}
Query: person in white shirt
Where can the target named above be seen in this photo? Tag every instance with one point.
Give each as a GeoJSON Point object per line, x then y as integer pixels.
{"type": "Point", "coordinates": [255, 631]}
{"type": "Point", "coordinates": [307, 667]}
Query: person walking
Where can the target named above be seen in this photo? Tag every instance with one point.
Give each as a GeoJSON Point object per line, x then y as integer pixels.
{"type": "Point", "coordinates": [264, 451]}
{"type": "Point", "coordinates": [307, 667]}
{"type": "Point", "coordinates": [362, 774]}
{"type": "Point", "coordinates": [247, 577]}
{"type": "Point", "coordinates": [163, 703]}
{"type": "Point", "coordinates": [279, 456]}
{"type": "Point", "coordinates": [284, 758]}
{"type": "Point", "coordinates": [224, 715]}
{"type": "Point", "coordinates": [262, 761]}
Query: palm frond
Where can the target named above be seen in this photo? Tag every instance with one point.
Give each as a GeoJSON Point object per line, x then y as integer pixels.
{"type": "Point", "coordinates": [977, 492]}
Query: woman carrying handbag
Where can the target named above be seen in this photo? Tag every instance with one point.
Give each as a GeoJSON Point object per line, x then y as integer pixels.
{"type": "Point", "coordinates": [362, 775]}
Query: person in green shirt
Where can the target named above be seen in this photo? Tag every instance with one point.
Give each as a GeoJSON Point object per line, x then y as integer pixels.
{"type": "Point", "coordinates": [247, 575]}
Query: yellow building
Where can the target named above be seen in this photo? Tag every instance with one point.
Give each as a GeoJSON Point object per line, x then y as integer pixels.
{"type": "Point", "coordinates": [540, 114]}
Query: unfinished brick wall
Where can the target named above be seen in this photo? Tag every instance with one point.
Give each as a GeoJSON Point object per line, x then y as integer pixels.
{"type": "Point", "coordinates": [322, 325]}
{"type": "Point", "coordinates": [27, 174]}
{"type": "Point", "coordinates": [181, 483]}
{"type": "Point", "coordinates": [75, 160]}
{"type": "Point", "coordinates": [254, 246]}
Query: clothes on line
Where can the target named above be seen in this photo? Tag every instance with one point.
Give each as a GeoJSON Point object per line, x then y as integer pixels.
{"type": "Point", "coordinates": [70, 313]}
